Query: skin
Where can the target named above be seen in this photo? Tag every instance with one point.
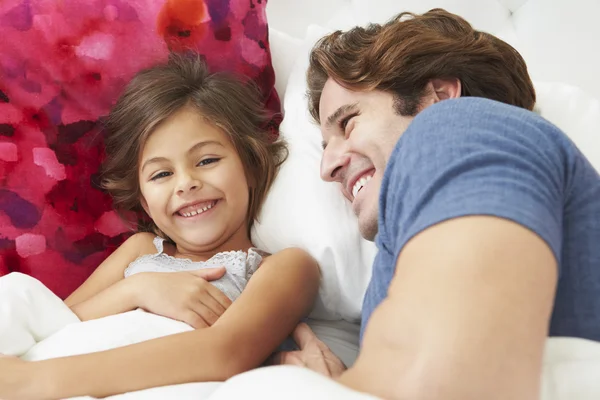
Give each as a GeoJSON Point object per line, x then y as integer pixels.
{"type": "Point", "coordinates": [360, 130]}
{"type": "Point", "coordinates": [350, 152]}
{"type": "Point", "coordinates": [178, 167]}
{"type": "Point", "coordinates": [468, 321]}
{"type": "Point", "coordinates": [235, 337]}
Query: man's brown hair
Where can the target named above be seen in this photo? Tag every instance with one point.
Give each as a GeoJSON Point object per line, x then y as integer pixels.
{"type": "Point", "coordinates": [401, 56]}
{"type": "Point", "coordinates": [157, 93]}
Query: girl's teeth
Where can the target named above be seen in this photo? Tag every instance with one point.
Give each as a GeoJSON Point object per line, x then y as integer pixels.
{"type": "Point", "coordinates": [198, 211]}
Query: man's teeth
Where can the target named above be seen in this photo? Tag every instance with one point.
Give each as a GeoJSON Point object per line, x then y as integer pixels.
{"type": "Point", "coordinates": [360, 184]}
{"type": "Point", "coordinates": [198, 211]}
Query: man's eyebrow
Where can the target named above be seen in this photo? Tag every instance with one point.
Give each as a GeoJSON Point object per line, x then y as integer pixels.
{"type": "Point", "coordinates": [337, 114]}
{"type": "Point", "coordinates": [192, 149]}
{"type": "Point", "coordinates": [345, 109]}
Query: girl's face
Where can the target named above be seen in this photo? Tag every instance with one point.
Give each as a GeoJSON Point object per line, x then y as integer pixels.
{"type": "Point", "coordinates": [193, 185]}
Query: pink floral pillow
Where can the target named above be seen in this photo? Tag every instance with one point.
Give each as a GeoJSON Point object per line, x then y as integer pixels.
{"type": "Point", "coordinates": [62, 65]}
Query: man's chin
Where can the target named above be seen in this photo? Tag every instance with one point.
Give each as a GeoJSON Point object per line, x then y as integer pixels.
{"type": "Point", "coordinates": [368, 229]}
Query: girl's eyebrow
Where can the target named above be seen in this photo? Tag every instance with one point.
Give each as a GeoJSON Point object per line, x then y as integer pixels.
{"type": "Point", "coordinates": [192, 149]}
{"type": "Point", "coordinates": [199, 145]}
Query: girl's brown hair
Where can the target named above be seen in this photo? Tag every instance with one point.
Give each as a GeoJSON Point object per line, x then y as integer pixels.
{"type": "Point", "coordinates": [402, 55]}
{"type": "Point", "coordinates": [155, 94]}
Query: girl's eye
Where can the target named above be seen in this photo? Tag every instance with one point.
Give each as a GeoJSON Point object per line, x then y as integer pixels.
{"type": "Point", "coordinates": [160, 175]}
{"type": "Point", "coordinates": [207, 161]}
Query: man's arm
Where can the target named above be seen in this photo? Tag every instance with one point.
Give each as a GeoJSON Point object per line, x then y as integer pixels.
{"type": "Point", "coordinates": [278, 295]}
{"type": "Point", "coordinates": [466, 316]}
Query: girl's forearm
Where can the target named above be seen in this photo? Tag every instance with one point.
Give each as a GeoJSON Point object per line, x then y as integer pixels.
{"type": "Point", "coordinates": [118, 298]}
{"type": "Point", "coordinates": [201, 355]}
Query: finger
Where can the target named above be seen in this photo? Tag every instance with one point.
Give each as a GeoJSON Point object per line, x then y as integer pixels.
{"type": "Point", "coordinates": [219, 296]}
{"type": "Point", "coordinates": [209, 274]}
{"type": "Point", "coordinates": [287, 358]}
{"type": "Point", "coordinates": [303, 335]}
{"type": "Point", "coordinates": [336, 367]}
{"type": "Point", "coordinates": [206, 298]}
{"type": "Point", "coordinates": [315, 362]}
{"type": "Point", "coordinates": [194, 320]}
{"type": "Point", "coordinates": [206, 313]}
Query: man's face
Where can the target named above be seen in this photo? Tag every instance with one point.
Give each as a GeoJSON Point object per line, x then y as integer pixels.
{"type": "Point", "coordinates": [360, 130]}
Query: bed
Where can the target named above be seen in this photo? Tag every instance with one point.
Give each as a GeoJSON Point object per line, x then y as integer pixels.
{"type": "Point", "coordinates": [558, 40]}
{"type": "Point", "coordinates": [555, 37]}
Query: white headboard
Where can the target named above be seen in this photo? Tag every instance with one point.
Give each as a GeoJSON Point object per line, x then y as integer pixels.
{"type": "Point", "coordinates": [559, 39]}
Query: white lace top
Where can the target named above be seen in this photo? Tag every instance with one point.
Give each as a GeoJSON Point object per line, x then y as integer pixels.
{"type": "Point", "coordinates": [239, 264]}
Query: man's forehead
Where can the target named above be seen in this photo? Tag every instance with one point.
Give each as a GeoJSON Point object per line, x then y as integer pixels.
{"type": "Point", "coordinates": [333, 92]}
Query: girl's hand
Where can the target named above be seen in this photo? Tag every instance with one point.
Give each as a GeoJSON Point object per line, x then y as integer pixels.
{"type": "Point", "coordinates": [184, 296]}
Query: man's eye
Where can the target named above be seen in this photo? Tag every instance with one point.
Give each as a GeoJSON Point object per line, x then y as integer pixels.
{"type": "Point", "coordinates": [344, 121]}
{"type": "Point", "coordinates": [160, 175]}
{"type": "Point", "coordinates": [208, 161]}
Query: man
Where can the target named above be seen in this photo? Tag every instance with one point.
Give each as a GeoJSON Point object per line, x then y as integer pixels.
{"type": "Point", "coordinates": [486, 217]}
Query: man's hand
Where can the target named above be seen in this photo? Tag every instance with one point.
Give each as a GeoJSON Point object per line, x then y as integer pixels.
{"type": "Point", "coordinates": [313, 354]}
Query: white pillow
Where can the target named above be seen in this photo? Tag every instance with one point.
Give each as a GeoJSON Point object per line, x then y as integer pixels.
{"type": "Point", "coordinates": [284, 51]}
{"type": "Point", "coordinates": [302, 210]}
{"type": "Point", "coordinates": [575, 112]}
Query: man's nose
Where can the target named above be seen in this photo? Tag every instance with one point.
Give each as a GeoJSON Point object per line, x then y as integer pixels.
{"type": "Point", "coordinates": [334, 161]}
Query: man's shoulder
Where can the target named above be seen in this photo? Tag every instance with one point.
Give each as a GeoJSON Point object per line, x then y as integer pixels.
{"type": "Point", "coordinates": [475, 116]}
{"type": "Point", "coordinates": [477, 128]}
{"type": "Point", "coordinates": [475, 107]}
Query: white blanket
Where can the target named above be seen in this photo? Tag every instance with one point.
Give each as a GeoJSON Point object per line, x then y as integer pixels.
{"type": "Point", "coordinates": [571, 366]}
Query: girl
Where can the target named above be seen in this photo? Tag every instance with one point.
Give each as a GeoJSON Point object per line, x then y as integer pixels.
{"type": "Point", "coordinates": [188, 148]}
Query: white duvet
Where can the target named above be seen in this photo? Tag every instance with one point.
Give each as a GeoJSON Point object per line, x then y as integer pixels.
{"type": "Point", "coordinates": [571, 366]}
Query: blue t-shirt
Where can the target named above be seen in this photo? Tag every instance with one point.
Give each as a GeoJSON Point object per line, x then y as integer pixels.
{"type": "Point", "coordinates": [473, 156]}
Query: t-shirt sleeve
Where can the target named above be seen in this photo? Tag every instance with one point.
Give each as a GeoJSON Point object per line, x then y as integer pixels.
{"type": "Point", "coordinates": [475, 157]}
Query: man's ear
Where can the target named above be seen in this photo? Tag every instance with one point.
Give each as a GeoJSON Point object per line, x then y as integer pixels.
{"type": "Point", "coordinates": [443, 89]}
